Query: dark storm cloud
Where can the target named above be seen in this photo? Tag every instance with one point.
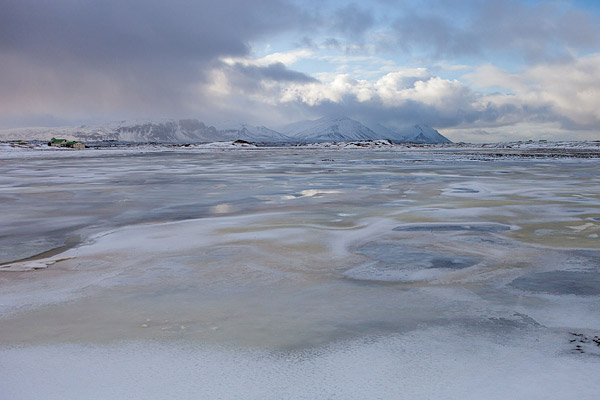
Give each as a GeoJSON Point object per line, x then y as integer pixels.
{"type": "Point", "coordinates": [410, 113]}
{"type": "Point", "coordinates": [339, 27]}
{"type": "Point", "coordinates": [60, 56]}
{"type": "Point", "coordinates": [535, 32]}
{"type": "Point", "coordinates": [97, 31]}
{"type": "Point", "coordinates": [437, 34]}
{"type": "Point", "coordinates": [272, 72]}
{"type": "Point", "coordinates": [460, 112]}
{"type": "Point", "coordinates": [68, 61]}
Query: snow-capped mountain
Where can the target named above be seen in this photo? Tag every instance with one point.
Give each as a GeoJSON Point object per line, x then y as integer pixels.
{"type": "Point", "coordinates": [184, 130]}
{"type": "Point", "coordinates": [408, 134]}
{"type": "Point", "coordinates": [422, 134]}
{"type": "Point", "coordinates": [344, 129]}
{"type": "Point", "coordinates": [328, 129]}
{"type": "Point", "coordinates": [386, 133]}
{"type": "Point", "coordinates": [239, 131]}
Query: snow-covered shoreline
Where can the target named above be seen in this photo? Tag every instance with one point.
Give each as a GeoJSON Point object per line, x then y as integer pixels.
{"type": "Point", "coordinates": [381, 144]}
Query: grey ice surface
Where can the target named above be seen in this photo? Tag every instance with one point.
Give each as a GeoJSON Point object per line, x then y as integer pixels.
{"type": "Point", "coordinates": [453, 228]}
{"type": "Point", "coordinates": [561, 282]}
{"type": "Point", "coordinates": [298, 273]}
{"type": "Point", "coordinates": [390, 262]}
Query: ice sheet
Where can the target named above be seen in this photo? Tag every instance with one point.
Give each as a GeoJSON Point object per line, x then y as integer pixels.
{"type": "Point", "coordinates": [298, 273]}
{"type": "Point", "coordinates": [426, 364]}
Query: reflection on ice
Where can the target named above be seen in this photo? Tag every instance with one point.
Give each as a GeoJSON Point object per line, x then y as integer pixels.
{"type": "Point", "coordinates": [311, 193]}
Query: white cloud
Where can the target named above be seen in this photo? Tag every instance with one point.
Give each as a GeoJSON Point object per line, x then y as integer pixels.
{"type": "Point", "coordinates": [287, 58]}
{"type": "Point", "coordinates": [552, 131]}
{"type": "Point", "coordinates": [392, 90]}
{"type": "Point", "coordinates": [570, 90]}
{"type": "Point", "coordinates": [543, 100]}
{"type": "Point", "coordinates": [434, 91]}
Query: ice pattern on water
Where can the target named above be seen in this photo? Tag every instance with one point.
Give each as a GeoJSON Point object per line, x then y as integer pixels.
{"type": "Point", "coordinates": [392, 262]}
{"type": "Point", "coordinates": [401, 258]}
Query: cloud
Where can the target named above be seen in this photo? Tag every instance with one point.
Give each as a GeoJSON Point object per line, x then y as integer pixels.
{"type": "Point", "coordinates": [436, 34]}
{"type": "Point", "coordinates": [139, 29]}
{"type": "Point", "coordinates": [518, 131]}
{"type": "Point", "coordinates": [457, 65]}
{"type": "Point", "coordinates": [393, 90]}
{"type": "Point", "coordinates": [255, 80]}
{"type": "Point", "coordinates": [410, 95]}
{"type": "Point", "coordinates": [287, 58]}
{"type": "Point", "coordinates": [352, 20]}
{"type": "Point", "coordinates": [566, 92]}
{"type": "Point", "coordinates": [78, 58]}
{"type": "Point", "coordinates": [273, 72]}
{"type": "Point", "coordinates": [535, 32]}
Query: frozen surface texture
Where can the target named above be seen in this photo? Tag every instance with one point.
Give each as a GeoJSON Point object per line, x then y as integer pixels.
{"type": "Point", "coordinates": [298, 273]}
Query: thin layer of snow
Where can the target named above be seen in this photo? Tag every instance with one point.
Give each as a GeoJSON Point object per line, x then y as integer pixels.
{"type": "Point", "coordinates": [227, 273]}
{"type": "Point", "coordinates": [431, 363]}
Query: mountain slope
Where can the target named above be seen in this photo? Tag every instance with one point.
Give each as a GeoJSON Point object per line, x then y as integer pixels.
{"type": "Point", "coordinates": [386, 133]}
{"type": "Point", "coordinates": [240, 131]}
{"type": "Point", "coordinates": [325, 129]}
{"type": "Point", "coordinates": [422, 134]}
{"type": "Point", "coordinates": [185, 130]}
{"type": "Point", "coordinates": [345, 129]}
{"type": "Point", "coordinates": [328, 129]}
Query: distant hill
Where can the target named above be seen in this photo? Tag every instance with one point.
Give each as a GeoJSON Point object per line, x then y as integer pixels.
{"type": "Point", "coordinates": [327, 129]}
{"type": "Point", "coordinates": [344, 129]}
{"type": "Point", "coordinates": [169, 131]}
{"type": "Point", "coordinates": [185, 130]}
{"type": "Point", "coordinates": [422, 134]}
{"type": "Point", "coordinates": [240, 131]}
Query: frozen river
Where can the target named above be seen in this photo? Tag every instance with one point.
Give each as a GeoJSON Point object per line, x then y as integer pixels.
{"type": "Point", "coordinates": [298, 273]}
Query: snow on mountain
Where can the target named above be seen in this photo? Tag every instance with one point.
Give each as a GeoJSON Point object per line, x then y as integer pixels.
{"type": "Point", "coordinates": [385, 133]}
{"type": "Point", "coordinates": [422, 134]}
{"type": "Point", "coordinates": [45, 134]}
{"type": "Point", "coordinates": [328, 129]}
{"type": "Point", "coordinates": [185, 130]}
{"type": "Point", "coordinates": [345, 129]}
{"type": "Point", "coordinates": [239, 131]}
{"type": "Point", "coordinates": [410, 134]}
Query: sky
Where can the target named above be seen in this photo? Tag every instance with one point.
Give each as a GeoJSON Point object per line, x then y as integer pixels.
{"type": "Point", "coordinates": [477, 71]}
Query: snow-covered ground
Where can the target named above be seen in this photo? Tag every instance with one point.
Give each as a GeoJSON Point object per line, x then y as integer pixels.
{"type": "Point", "coordinates": [348, 271]}
{"type": "Point", "coordinates": [9, 148]}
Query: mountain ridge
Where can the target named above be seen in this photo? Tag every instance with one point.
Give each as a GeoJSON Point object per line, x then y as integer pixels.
{"type": "Point", "coordinates": [347, 129]}
{"type": "Point", "coordinates": [325, 129]}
